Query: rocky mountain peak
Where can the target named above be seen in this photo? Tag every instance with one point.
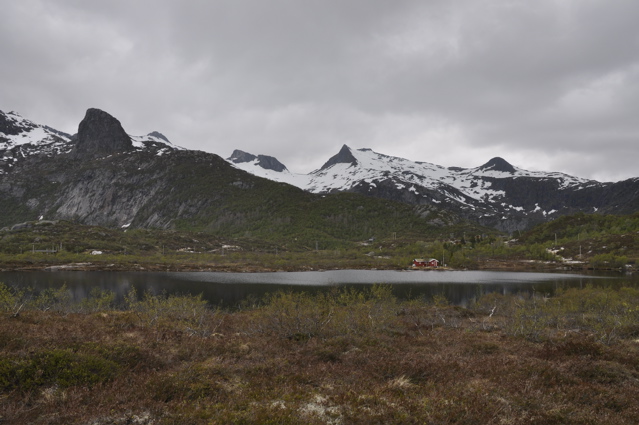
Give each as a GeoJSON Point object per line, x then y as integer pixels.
{"type": "Point", "coordinates": [100, 133]}
{"type": "Point", "coordinates": [270, 163]}
{"type": "Point", "coordinates": [159, 136]}
{"type": "Point", "coordinates": [498, 164]}
{"type": "Point", "coordinates": [344, 156]}
{"type": "Point", "coordinates": [264, 161]}
{"type": "Point", "coordinates": [239, 157]}
{"type": "Point", "coordinates": [7, 124]}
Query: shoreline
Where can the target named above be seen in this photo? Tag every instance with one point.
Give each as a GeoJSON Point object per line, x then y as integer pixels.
{"type": "Point", "coordinates": [493, 265]}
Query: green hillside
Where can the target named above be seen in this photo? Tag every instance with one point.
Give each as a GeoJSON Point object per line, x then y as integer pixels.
{"type": "Point", "coordinates": [599, 239]}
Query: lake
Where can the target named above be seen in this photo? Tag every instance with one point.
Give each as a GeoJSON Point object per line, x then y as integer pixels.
{"type": "Point", "coordinates": [230, 289]}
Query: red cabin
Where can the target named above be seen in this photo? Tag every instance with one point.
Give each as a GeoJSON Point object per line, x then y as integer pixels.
{"type": "Point", "coordinates": [420, 262]}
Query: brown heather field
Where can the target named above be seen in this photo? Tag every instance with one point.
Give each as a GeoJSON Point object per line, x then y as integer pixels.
{"type": "Point", "coordinates": [341, 358]}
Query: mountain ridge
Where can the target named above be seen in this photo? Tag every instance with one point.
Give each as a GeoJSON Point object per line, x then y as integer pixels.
{"type": "Point", "coordinates": [146, 182]}
{"type": "Point", "coordinates": [495, 194]}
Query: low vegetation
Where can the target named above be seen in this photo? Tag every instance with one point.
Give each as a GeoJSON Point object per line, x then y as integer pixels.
{"type": "Point", "coordinates": [605, 241]}
{"type": "Point", "coordinates": [57, 243]}
{"type": "Point", "coordinates": [342, 357]}
{"type": "Point", "coordinates": [579, 241]}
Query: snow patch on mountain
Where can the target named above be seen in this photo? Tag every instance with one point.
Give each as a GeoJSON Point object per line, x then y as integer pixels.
{"type": "Point", "coordinates": [495, 193]}
{"type": "Point", "coordinates": [154, 140]}
{"type": "Point", "coordinates": [365, 165]}
{"type": "Point", "coordinates": [371, 166]}
{"type": "Point", "coordinates": [18, 131]}
{"type": "Point", "coordinates": [253, 167]}
{"type": "Point", "coordinates": [20, 138]}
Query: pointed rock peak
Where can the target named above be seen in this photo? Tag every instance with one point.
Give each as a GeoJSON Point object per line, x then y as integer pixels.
{"type": "Point", "coordinates": [239, 157]}
{"type": "Point", "coordinates": [159, 136]}
{"type": "Point", "coordinates": [264, 161]}
{"type": "Point", "coordinates": [99, 133]}
{"type": "Point", "coordinates": [344, 156]}
{"type": "Point", "coordinates": [498, 164]}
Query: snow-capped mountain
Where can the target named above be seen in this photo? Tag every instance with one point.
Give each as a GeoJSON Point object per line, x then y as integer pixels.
{"type": "Point", "coordinates": [496, 193]}
{"type": "Point", "coordinates": [21, 138]}
{"type": "Point", "coordinates": [33, 156]}
{"type": "Point", "coordinates": [103, 176]}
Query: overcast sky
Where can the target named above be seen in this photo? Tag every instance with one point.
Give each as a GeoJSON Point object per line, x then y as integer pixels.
{"type": "Point", "coordinates": [546, 84]}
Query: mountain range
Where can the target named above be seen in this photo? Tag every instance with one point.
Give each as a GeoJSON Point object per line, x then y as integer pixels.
{"type": "Point", "coordinates": [495, 194]}
{"type": "Point", "coordinates": [102, 175]}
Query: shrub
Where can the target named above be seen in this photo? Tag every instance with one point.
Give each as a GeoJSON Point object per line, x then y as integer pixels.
{"type": "Point", "coordinates": [344, 311]}
{"type": "Point", "coordinates": [608, 261]}
{"type": "Point", "coordinates": [98, 300]}
{"type": "Point", "coordinates": [58, 300]}
{"type": "Point", "coordinates": [187, 313]}
{"type": "Point", "coordinates": [12, 300]}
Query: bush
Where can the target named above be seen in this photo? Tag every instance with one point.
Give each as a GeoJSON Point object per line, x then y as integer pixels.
{"type": "Point", "coordinates": [187, 313]}
{"type": "Point", "coordinates": [608, 261]}
{"type": "Point", "coordinates": [344, 311]}
{"type": "Point", "coordinates": [98, 300]}
{"type": "Point", "coordinates": [58, 300]}
{"type": "Point", "coordinates": [12, 300]}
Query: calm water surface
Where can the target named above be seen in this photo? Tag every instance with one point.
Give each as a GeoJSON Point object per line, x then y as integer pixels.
{"type": "Point", "coordinates": [229, 289]}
